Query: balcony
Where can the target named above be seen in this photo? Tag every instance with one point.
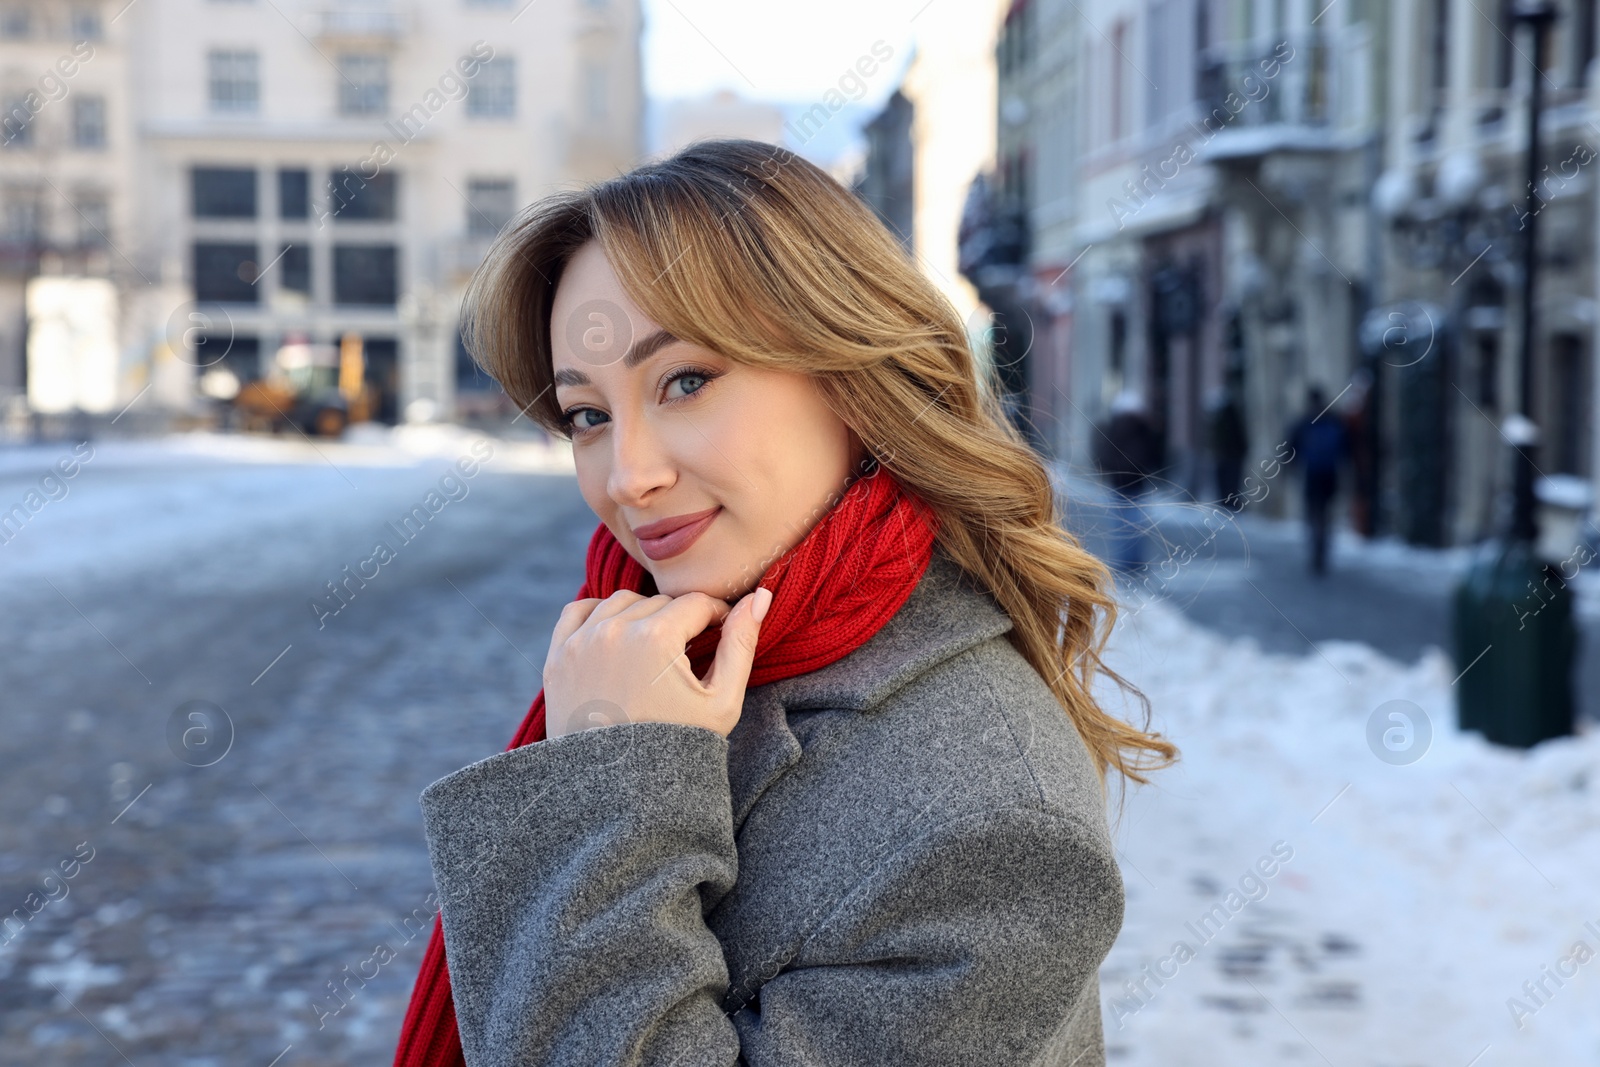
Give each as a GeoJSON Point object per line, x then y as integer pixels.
{"type": "Point", "coordinates": [1305, 92]}
{"type": "Point", "coordinates": [359, 20]}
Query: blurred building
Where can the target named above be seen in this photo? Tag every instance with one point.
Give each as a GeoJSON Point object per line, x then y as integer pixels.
{"type": "Point", "coordinates": [885, 180]}
{"type": "Point", "coordinates": [252, 174]}
{"type": "Point", "coordinates": [1451, 202]}
{"type": "Point", "coordinates": [950, 84]}
{"type": "Point", "coordinates": [1197, 198]}
{"type": "Point", "coordinates": [1178, 196]}
{"type": "Point", "coordinates": [66, 149]}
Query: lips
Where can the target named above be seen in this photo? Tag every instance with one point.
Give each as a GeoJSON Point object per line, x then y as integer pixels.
{"type": "Point", "coordinates": [668, 537]}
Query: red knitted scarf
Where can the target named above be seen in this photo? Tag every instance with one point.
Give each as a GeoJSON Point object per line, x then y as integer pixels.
{"type": "Point", "coordinates": [835, 589]}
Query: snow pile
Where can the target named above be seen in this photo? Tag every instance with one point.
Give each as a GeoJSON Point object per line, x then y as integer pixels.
{"type": "Point", "coordinates": [1430, 909]}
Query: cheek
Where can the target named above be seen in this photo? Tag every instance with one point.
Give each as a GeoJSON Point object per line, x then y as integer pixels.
{"type": "Point", "coordinates": [799, 476]}
{"type": "Point", "coordinates": [592, 476]}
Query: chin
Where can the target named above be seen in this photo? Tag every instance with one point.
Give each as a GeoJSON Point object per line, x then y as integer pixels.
{"type": "Point", "coordinates": [677, 581]}
{"type": "Point", "coordinates": [687, 574]}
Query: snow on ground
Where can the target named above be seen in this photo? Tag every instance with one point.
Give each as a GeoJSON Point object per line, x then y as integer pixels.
{"type": "Point", "coordinates": [1407, 905]}
{"type": "Point", "coordinates": [1416, 900]}
{"type": "Point", "coordinates": [122, 508]}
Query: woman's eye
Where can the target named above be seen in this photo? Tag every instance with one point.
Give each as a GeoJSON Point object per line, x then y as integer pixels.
{"type": "Point", "coordinates": [697, 379]}
{"type": "Point", "coordinates": [575, 420]}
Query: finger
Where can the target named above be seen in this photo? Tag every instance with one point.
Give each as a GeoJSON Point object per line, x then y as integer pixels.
{"type": "Point", "coordinates": [736, 651]}
{"type": "Point", "coordinates": [640, 609]}
{"type": "Point", "coordinates": [616, 604]}
{"type": "Point", "coordinates": [573, 616]}
{"type": "Point", "coordinates": [686, 616]}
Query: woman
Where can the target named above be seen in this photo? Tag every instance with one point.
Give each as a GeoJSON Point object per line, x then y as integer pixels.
{"type": "Point", "coordinates": [816, 776]}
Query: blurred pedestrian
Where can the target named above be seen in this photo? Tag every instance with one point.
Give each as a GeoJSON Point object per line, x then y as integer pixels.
{"type": "Point", "coordinates": [1320, 442]}
{"type": "Point", "coordinates": [1229, 443]}
{"type": "Point", "coordinates": [1126, 452]}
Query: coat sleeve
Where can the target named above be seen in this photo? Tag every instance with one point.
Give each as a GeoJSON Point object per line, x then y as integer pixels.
{"type": "Point", "coordinates": [575, 875]}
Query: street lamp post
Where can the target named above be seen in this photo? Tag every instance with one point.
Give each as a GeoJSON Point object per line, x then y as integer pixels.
{"type": "Point", "coordinates": [1537, 15]}
{"type": "Point", "coordinates": [1515, 638]}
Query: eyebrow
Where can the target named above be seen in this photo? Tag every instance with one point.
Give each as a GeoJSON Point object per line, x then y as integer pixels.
{"type": "Point", "coordinates": [640, 352]}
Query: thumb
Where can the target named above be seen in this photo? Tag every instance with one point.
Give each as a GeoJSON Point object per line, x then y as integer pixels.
{"type": "Point", "coordinates": [736, 650]}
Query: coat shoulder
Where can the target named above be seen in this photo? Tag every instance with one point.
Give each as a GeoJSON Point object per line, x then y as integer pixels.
{"type": "Point", "coordinates": [941, 705]}
{"type": "Point", "coordinates": [986, 720]}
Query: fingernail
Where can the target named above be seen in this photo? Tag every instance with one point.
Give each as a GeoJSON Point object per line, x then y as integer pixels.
{"type": "Point", "coordinates": [763, 602]}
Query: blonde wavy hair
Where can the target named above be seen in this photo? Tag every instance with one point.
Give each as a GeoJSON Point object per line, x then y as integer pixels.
{"type": "Point", "coordinates": [747, 249]}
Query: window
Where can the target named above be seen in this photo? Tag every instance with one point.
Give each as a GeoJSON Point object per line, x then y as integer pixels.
{"type": "Point", "coordinates": [86, 24]}
{"type": "Point", "coordinates": [490, 205]}
{"type": "Point", "coordinates": [17, 123]}
{"type": "Point", "coordinates": [294, 268]}
{"type": "Point", "coordinates": [22, 216]}
{"type": "Point", "coordinates": [363, 84]}
{"type": "Point", "coordinates": [364, 274]}
{"type": "Point", "coordinates": [1119, 341]}
{"type": "Point", "coordinates": [16, 22]}
{"type": "Point", "coordinates": [1581, 32]}
{"type": "Point", "coordinates": [294, 193]}
{"type": "Point", "coordinates": [1488, 367]}
{"type": "Point", "coordinates": [493, 93]}
{"type": "Point", "coordinates": [225, 272]}
{"type": "Point", "coordinates": [1202, 48]}
{"type": "Point", "coordinates": [1439, 54]}
{"type": "Point", "coordinates": [235, 83]}
{"type": "Point", "coordinates": [1504, 45]}
{"type": "Point", "coordinates": [1119, 40]}
{"type": "Point", "coordinates": [223, 192]}
{"type": "Point", "coordinates": [94, 219]}
{"type": "Point", "coordinates": [89, 121]}
{"type": "Point", "coordinates": [1568, 440]}
{"type": "Point", "coordinates": [353, 198]}
{"type": "Point", "coordinates": [470, 377]}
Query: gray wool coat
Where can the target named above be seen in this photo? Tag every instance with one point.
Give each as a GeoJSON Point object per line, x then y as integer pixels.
{"type": "Point", "coordinates": [899, 859]}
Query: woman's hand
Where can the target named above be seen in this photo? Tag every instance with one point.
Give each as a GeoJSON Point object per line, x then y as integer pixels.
{"type": "Point", "coordinates": [622, 659]}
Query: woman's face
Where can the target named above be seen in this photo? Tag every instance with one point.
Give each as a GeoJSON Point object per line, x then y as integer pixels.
{"type": "Point", "coordinates": [753, 455]}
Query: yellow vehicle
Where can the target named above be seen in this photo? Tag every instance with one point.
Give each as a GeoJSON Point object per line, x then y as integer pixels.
{"type": "Point", "coordinates": [314, 388]}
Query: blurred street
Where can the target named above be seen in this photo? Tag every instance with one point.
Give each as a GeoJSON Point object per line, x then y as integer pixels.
{"type": "Point", "coordinates": [1250, 580]}
{"type": "Point", "coordinates": [221, 901]}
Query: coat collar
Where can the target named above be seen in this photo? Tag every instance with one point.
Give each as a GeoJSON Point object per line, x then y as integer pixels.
{"type": "Point", "coordinates": [946, 614]}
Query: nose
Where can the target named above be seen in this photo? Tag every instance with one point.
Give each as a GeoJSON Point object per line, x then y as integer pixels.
{"type": "Point", "coordinates": [640, 463]}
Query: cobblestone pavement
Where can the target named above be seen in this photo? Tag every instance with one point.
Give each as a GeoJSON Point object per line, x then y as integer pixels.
{"type": "Point", "coordinates": [163, 912]}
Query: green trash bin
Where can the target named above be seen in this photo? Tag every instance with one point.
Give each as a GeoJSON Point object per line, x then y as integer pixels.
{"type": "Point", "coordinates": [1516, 642]}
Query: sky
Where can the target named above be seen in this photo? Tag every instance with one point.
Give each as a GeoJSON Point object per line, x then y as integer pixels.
{"type": "Point", "coordinates": [775, 50]}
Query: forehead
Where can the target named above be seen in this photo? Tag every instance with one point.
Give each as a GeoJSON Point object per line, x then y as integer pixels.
{"type": "Point", "coordinates": [593, 321]}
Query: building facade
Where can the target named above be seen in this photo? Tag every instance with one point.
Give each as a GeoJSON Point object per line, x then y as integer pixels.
{"type": "Point", "coordinates": [65, 138]}
{"type": "Point", "coordinates": [1453, 204]}
{"type": "Point", "coordinates": [1202, 199]}
{"type": "Point", "coordinates": [1189, 175]}
{"type": "Point", "coordinates": [277, 178]}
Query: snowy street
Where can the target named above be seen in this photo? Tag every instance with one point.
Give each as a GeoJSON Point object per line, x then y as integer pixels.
{"type": "Point", "coordinates": [210, 771]}
{"type": "Point", "coordinates": [221, 900]}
